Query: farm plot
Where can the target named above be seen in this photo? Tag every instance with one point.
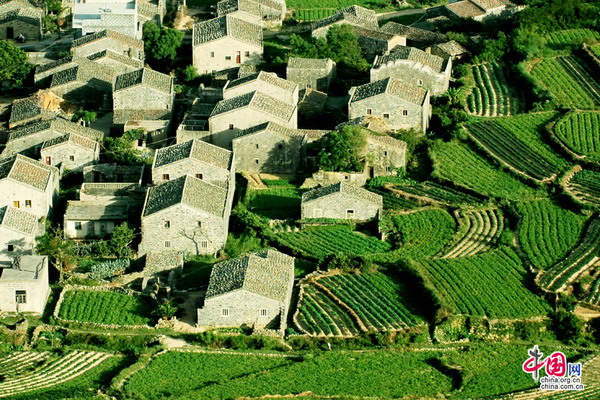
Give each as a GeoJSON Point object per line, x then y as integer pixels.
{"type": "Point", "coordinates": [517, 142]}
{"type": "Point", "coordinates": [51, 374]}
{"type": "Point", "coordinates": [458, 163]}
{"type": "Point", "coordinates": [21, 362]}
{"type": "Point", "coordinates": [585, 187]}
{"type": "Point", "coordinates": [478, 231]}
{"type": "Point", "coordinates": [596, 50]}
{"type": "Point", "coordinates": [464, 286]}
{"type": "Point", "coordinates": [392, 200]}
{"type": "Point", "coordinates": [313, 14]}
{"type": "Point", "coordinates": [105, 307]}
{"type": "Point", "coordinates": [375, 301]}
{"type": "Point", "coordinates": [378, 5]}
{"type": "Point", "coordinates": [571, 38]}
{"type": "Point", "coordinates": [593, 296]}
{"type": "Point", "coordinates": [578, 261]}
{"type": "Point", "coordinates": [320, 242]}
{"type": "Point", "coordinates": [435, 193]}
{"type": "Point", "coordinates": [547, 232]}
{"type": "Point", "coordinates": [493, 94]}
{"type": "Point", "coordinates": [275, 203]}
{"type": "Point", "coordinates": [569, 80]}
{"type": "Point", "coordinates": [579, 132]}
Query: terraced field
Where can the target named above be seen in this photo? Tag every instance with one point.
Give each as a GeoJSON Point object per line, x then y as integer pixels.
{"type": "Point", "coordinates": [593, 296]}
{"type": "Point", "coordinates": [585, 187]}
{"type": "Point", "coordinates": [571, 38]}
{"type": "Point", "coordinates": [433, 193]}
{"type": "Point", "coordinates": [579, 132]}
{"type": "Point", "coordinates": [494, 94]}
{"type": "Point", "coordinates": [478, 231]}
{"type": "Point", "coordinates": [21, 379]}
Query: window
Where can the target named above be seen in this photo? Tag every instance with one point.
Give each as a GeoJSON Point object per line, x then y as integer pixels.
{"type": "Point", "coordinates": [228, 58]}
{"type": "Point", "coordinates": [28, 203]}
{"type": "Point", "coordinates": [199, 224]}
{"type": "Point", "coordinates": [167, 244]}
{"type": "Point", "coordinates": [225, 312]}
{"type": "Point", "coordinates": [349, 214]}
{"type": "Point", "coordinates": [264, 312]}
{"type": "Point", "coordinates": [256, 161]}
{"type": "Point", "coordinates": [308, 86]}
{"type": "Point", "coordinates": [256, 145]}
{"type": "Point", "coordinates": [204, 244]}
{"type": "Point", "coordinates": [16, 204]}
{"type": "Point", "coordinates": [140, 142]}
{"type": "Point", "coordinates": [48, 160]}
{"type": "Point", "coordinates": [420, 82]}
{"type": "Point", "coordinates": [10, 248]}
{"type": "Point", "coordinates": [405, 112]}
{"type": "Point", "coordinates": [199, 176]}
{"type": "Point", "coordinates": [20, 296]}
{"type": "Point", "coordinates": [280, 146]}
{"type": "Point", "coordinates": [78, 226]}
{"type": "Point", "coordinates": [230, 126]}
{"type": "Point", "coordinates": [369, 111]}
{"type": "Point", "coordinates": [247, 54]}
{"type": "Point", "coordinates": [212, 53]}
{"type": "Point", "coordinates": [71, 158]}
{"type": "Point", "coordinates": [385, 153]}
{"type": "Point", "coordinates": [386, 116]}
{"type": "Point", "coordinates": [167, 224]}
{"type": "Point", "coordinates": [165, 177]}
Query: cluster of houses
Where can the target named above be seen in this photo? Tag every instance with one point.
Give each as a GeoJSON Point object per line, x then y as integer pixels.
{"type": "Point", "coordinates": [248, 124]}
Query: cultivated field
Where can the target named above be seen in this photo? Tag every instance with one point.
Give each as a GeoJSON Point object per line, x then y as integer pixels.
{"type": "Point", "coordinates": [585, 187]}
{"type": "Point", "coordinates": [494, 94]}
{"type": "Point", "coordinates": [579, 132]}
{"type": "Point", "coordinates": [435, 193]}
{"type": "Point", "coordinates": [478, 231]}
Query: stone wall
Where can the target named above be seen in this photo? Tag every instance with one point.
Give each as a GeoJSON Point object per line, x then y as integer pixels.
{"type": "Point", "coordinates": [416, 74]}
{"type": "Point", "coordinates": [417, 117]}
{"type": "Point", "coordinates": [385, 160]}
{"type": "Point", "coordinates": [70, 157]}
{"type": "Point", "coordinates": [90, 229]}
{"type": "Point", "coordinates": [29, 145]}
{"type": "Point", "coordinates": [210, 173]}
{"type": "Point", "coordinates": [37, 292]}
{"type": "Point", "coordinates": [326, 178]}
{"type": "Point", "coordinates": [211, 57]}
{"type": "Point", "coordinates": [142, 97]}
{"type": "Point", "coordinates": [113, 173]}
{"type": "Point", "coordinates": [312, 78]}
{"type": "Point", "coordinates": [337, 205]}
{"type": "Point", "coordinates": [30, 30]}
{"type": "Point", "coordinates": [266, 152]}
{"type": "Point", "coordinates": [22, 244]}
{"type": "Point", "coordinates": [243, 309]}
{"type": "Point", "coordinates": [41, 201]}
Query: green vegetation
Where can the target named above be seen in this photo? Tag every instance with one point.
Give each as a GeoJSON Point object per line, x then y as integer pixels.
{"type": "Point", "coordinates": [14, 66]}
{"type": "Point", "coordinates": [494, 93]}
{"type": "Point", "coordinates": [105, 307]}
{"type": "Point", "coordinates": [313, 14]}
{"type": "Point", "coordinates": [344, 150]}
{"type": "Point", "coordinates": [120, 149]}
{"type": "Point", "coordinates": [320, 242]}
{"type": "Point", "coordinates": [61, 252]}
{"type": "Point", "coordinates": [464, 286]}
{"type": "Point", "coordinates": [517, 141]}
{"type": "Point", "coordinates": [277, 203]}
{"type": "Point", "coordinates": [86, 116]}
{"type": "Point", "coordinates": [478, 231]}
{"type": "Point", "coordinates": [436, 193]}
{"type": "Point", "coordinates": [571, 38]}
{"type": "Point", "coordinates": [379, 5]}
{"type": "Point", "coordinates": [161, 44]}
{"type": "Point", "coordinates": [547, 232]}
{"type": "Point", "coordinates": [579, 132]}
{"type": "Point", "coordinates": [585, 187]}
{"type": "Point", "coordinates": [596, 50]}
{"type": "Point", "coordinates": [456, 162]}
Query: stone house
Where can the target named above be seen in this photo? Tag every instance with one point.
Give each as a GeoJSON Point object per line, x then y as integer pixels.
{"type": "Point", "coordinates": [341, 201]}
{"type": "Point", "coordinates": [91, 16]}
{"type": "Point", "coordinates": [415, 37]}
{"type": "Point", "coordinates": [402, 105]}
{"type": "Point", "coordinates": [266, 82]}
{"type": "Point", "coordinates": [151, 10]}
{"type": "Point", "coordinates": [253, 290]}
{"type": "Point", "coordinates": [119, 63]}
{"type": "Point", "coordinates": [29, 139]}
{"type": "Point", "coordinates": [43, 72]}
{"type": "Point", "coordinates": [28, 184]}
{"type": "Point", "coordinates": [186, 214]}
{"type": "Point", "coordinates": [377, 42]}
{"type": "Point", "coordinates": [385, 155]}
{"type": "Point", "coordinates": [311, 73]}
{"type": "Point", "coordinates": [152, 134]}
{"type": "Point", "coordinates": [481, 10]}
{"type": "Point", "coordinates": [269, 13]}
{"type": "Point", "coordinates": [451, 49]}
{"type": "Point", "coordinates": [415, 67]}
{"type": "Point", "coordinates": [100, 173]}
{"type": "Point", "coordinates": [93, 219]}
{"type": "Point", "coordinates": [269, 148]}
{"type": "Point", "coordinates": [245, 111]}
{"type": "Point", "coordinates": [226, 42]}
{"type": "Point", "coordinates": [70, 152]}
{"type": "Point", "coordinates": [18, 229]}
{"type": "Point", "coordinates": [144, 90]}
{"type": "Point", "coordinates": [202, 160]}
{"type": "Point", "coordinates": [108, 40]}
{"type": "Point", "coordinates": [354, 15]}
{"type": "Point", "coordinates": [42, 105]}
{"type": "Point", "coordinates": [25, 286]}
{"type": "Point", "coordinates": [26, 21]}
{"type": "Point", "coordinates": [88, 84]}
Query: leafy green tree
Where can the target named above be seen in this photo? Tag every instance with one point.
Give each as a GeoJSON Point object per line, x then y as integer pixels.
{"type": "Point", "coordinates": [120, 150]}
{"type": "Point", "coordinates": [165, 310]}
{"type": "Point", "coordinates": [567, 326]}
{"type": "Point", "coordinates": [62, 252]}
{"type": "Point", "coordinates": [86, 116]}
{"type": "Point", "coordinates": [13, 63]}
{"type": "Point", "coordinates": [342, 47]}
{"type": "Point", "coordinates": [161, 43]}
{"type": "Point", "coordinates": [121, 239]}
{"type": "Point", "coordinates": [344, 150]}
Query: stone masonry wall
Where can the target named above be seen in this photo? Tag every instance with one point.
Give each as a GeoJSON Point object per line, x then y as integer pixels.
{"type": "Point", "coordinates": [211, 57]}
{"type": "Point", "coordinates": [415, 74]}
{"type": "Point", "coordinates": [36, 291]}
{"type": "Point", "coordinates": [31, 31]}
{"type": "Point", "coordinates": [261, 153]}
{"type": "Point", "coordinates": [243, 308]}
{"type": "Point", "coordinates": [214, 175]}
{"type": "Point", "coordinates": [41, 202]}
{"type": "Point", "coordinates": [141, 97]}
{"type": "Point", "coordinates": [394, 107]}
{"type": "Point", "coordinates": [60, 156]}
{"type": "Point", "coordinates": [23, 244]}
{"type": "Point", "coordinates": [337, 205]}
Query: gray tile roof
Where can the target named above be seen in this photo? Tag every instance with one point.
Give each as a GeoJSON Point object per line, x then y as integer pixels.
{"type": "Point", "coordinates": [373, 34]}
{"type": "Point", "coordinates": [197, 150]}
{"type": "Point", "coordinates": [19, 220]}
{"type": "Point", "coordinates": [132, 62]}
{"type": "Point", "coordinates": [145, 76]}
{"type": "Point", "coordinates": [271, 127]}
{"type": "Point", "coordinates": [308, 63]}
{"type": "Point", "coordinates": [387, 140]}
{"type": "Point", "coordinates": [78, 140]}
{"type": "Point", "coordinates": [258, 101]}
{"type": "Point", "coordinates": [27, 15]}
{"type": "Point", "coordinates": [466, 9]}
{"type": "Point", "coordinates": [27, 171]}
{"type": "Point", "coordinates": [188, 190]}
{"type": "Point", "coordinates": [345, 188]}
{"type": "Point", "coordinates": [229, 6]}
{"type": "Point", "coordinates": [391, 86]}
{"type": "Point", "coordinates": [82, 41]}
{"type": "Point", "coordinates": [354, 15]}
{"type": "Point", "coordinates": [414, 34]}
{"type": "Point", "coordinates": [436, 63]}
{"type": "Point", "coordinates": [96, 211]}
{"type": "Point", "coordinates": [85, 71]}
{"type": "Point", "coordinates": [229, 26]}
{"type": "Point", "coordinates": [46, 67]}
{"type": "Point", "coordinates": [29, 129]}
{"type": "Point", "coordinates": [123, 116]}
{"type": "Point", "coordinates": [452, 48]}
{"type": "Point", "coordinates": [149, 9]}
{"type": "Point", "coordinates": [107, 189]}
{"type": "Point", "coordinates": [58, 125]}
{"type": "Point", "coordinates": [23, 109]}
{"type": "Point", "coordinates": [269, 78]}
{"type": "Point", "coordinates": [267, 273]}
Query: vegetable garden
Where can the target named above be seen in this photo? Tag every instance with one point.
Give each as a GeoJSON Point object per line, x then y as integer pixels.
{"type": "Point", "coordinates": [579, 132]}
{"type": "Point", "coordinates": [433, 192]}
{"type": "Point", "coordinates": [585, 187]}
{"type": "Point", "coordinates": [494, 94]}
{"type": "Point", "coordinates": [571, 38]}
{"type": "Point", "coordinates": [478, 231]}
{"type": "Point", "coordinates": [313, 14]}
{"type": "Point", "coordinates": [277, 203]}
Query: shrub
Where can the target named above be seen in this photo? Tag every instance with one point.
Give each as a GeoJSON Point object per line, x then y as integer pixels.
{"type": "Point", "coordinates": [107, 269]}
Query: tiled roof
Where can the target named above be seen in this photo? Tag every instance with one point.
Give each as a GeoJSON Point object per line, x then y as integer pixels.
{"type": "Point", "coordinates": [270, 127]}
{"type": "Point", "coordinates": [145, 76]}
{"type": "Point", "coordinates": [78, 140]}
{"type": "Point", "coordinates": [229, 6]}
{"type": "Point", "coordinates": [27, 171]}
{"type": "Point", "coordinates": [188, 190]}
{"type": "Point", "coordinates": [491, 4]}
{"type": "Point", "coordinates": [308, 63]}
{"type": "Point", "coordinates": [107, 189]}
{"type": "Point", "coordinates": [59, 125]}
{"type": "Point", "coordinates": [139, 44]}
{"type": "Point", "coordinates": [46, 67]}
{"type": "Point", "coordinates": [29, 129]}
{"type": "Point", "coordinates": [133, 62]}
{"type": "Point", "coordinates": [149, 9]}
{"type": "Point", "coordinates": [96, 211]}
{"type": "Point", "coordinates": [28, 15]}
{"type": "Point", "coordinates": [230, 26]}
{"type": "Point", "coordinates": [452, 48]}
{"type": "Point", "coordinates": [354, 15]}
{"type": "Point", "coordinates": [123, 116]}
{"type": "Point", "coordinates": [373, 34]}
{"type": "Point", "coordinates": [394, 87]}
{"type": "Point", "coordinates": [18, 220]}
{"type": "Point", "coordinates": [345, 188]}
{"type": "Point", "coordinates": [388, 140]}
{"type": "Point", "coordinates": [258, 101]}
{"type": "Point", "coordinates": [436, 63]}
{"type": "Point", "coordinates": [267, 273]}
{"type": "Point", "coordinates": [266, 77]}
{"type": "Point", "coordinates": [466, 9]}
{"type": "Point", "coordinates": [414, 34]}
{"type": "Point", "coordinates": [23, 109]}
{"type": "Point", "coordinates": [195, 149]}
{"type": "Point", "coordinates": [85, 71]}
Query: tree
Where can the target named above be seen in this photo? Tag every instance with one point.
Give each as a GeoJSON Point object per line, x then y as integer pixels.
{"type": "Point", "coordinates": [121, 239]}
{"type": "Point", "coordinates": [161, 43]}
{"type": "Point", "coordinates": [342, 47]}
{"type": "Point", "coordinates": [344, 150]}
{"type": "Point", "coordinates": [165, 310]}
{"type": "Point", "coordinates": [567, 326]}
{"type": "Point", "coordinates": [120, 150]}
{"type": "Point", "coordinates": [13, 63]}
{"type": "Point", "coordinates": [62, 252]}
{"type": "Point", "coordinates": [86, 117]}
